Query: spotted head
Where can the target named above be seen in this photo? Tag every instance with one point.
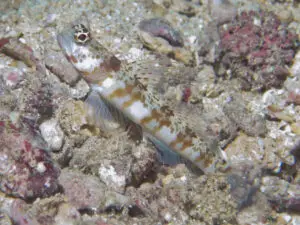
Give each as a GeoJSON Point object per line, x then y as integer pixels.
{"type": "Point", "coordinates": [87, 55]}
{"type": "Point", "coordinates": [75, 42]}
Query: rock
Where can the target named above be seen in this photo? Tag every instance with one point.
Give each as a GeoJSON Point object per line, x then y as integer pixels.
{"type": "Point", "coordinates": [183, 7]}
{"type": "Point", "coordinates": [256, 213]}
{"type": "Point", "coordinates": [36, 99]}
{"type": "Point", "coordinates": [295, 69]}
{"type": "Point", "coordinates": [83, 191]}
{"type": "Point", "coordinates": [111, 178]}
{"type": "Point", "coordinates": [222, 11]}
{"type": "Point", "coordinates": [86, 192]}
{"type": "Point", "coordinates": [44, 211]}
{"type": "Point", "coordinates": [259, 151]}
{"type": "Point", "coordinates": [144, 158]}
{"type": "Point", "coordinates": [171, 192]}
{"type": "Point", "coordinates": [80, 90]}
{"type": "Point", "coordinates": [281, 194]}
{"type": "Point", "coordinates": [108, 162]}
{"type": "Point", "coordinates": [285, 15]}
{"type": "Point", "coordinates": [26, 170]}
{"type": "Point", "coordinates": [52, 134]}
{"type": "Point", "coordinates": [252, 123]}
{"type": "Point", "coordinates": [73, 121]}
{"type": "Point", "coordinates": [10, 5]}
{"type": "Point", "coordinates": [19, 213]}
{"type": "Point", "coordinates": [161, 7]}
{"type": "Point", "coordinates": [66, 214]}
{"type": "Point", "coordinates": [296, 14]}
{"type": "Point", "coordinates": [95, 157]}
{"type": "Point", "coordinates": [4, 219]}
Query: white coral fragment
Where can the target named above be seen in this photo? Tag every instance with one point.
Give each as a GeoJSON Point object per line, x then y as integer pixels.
{"type": "Point", "coordinates": [52, 134]}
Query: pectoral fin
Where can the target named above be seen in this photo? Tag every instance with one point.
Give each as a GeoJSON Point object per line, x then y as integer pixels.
{"type": "Point", "coordinates": [101, 114]}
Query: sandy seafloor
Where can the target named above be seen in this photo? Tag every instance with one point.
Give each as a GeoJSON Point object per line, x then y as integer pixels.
{"type": "Point", "coordinates": [88, 176]}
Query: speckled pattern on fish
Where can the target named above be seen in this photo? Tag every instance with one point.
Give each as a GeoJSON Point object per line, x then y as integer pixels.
{"type": "Point", "coordinates": [110, 79]}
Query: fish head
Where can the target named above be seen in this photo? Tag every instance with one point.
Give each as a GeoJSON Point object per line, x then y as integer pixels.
{"type": "Point", "coordinates": [87, 55]}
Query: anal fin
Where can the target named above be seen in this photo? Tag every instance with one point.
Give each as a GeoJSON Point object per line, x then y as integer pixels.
{"type": "Point", "coordinates": [165, 154]}
{"type": "Point", "coordinates": [169, 157]}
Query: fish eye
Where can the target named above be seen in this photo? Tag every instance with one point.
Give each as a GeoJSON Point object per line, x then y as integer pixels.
{"type": "Point", "coordinates": [82, 37]}
{"type": "Point", "coordinates": [81, 34]}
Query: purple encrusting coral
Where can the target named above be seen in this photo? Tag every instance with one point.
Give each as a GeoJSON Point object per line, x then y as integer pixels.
{"type": "Point", "coordinates": [258, 47]}
{"type": "Point", "coordinates": [26, 171]}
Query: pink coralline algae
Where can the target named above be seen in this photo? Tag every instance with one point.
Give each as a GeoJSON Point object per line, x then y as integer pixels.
{"type": "Point", "coordinates": [12, 77]}
{"type": "Point", "coordinates": [257, 48]}
{"type": "Point", "coordinates": [26, 170]}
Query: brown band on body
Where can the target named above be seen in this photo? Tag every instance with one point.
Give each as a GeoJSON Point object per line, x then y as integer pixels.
{"type": "Point", "coordinates": [186, 144]}
{"type": "Point", "coordinates": [72, 58]}
{"type": "Point", "coordinates": [136, 96]}
{"type": "Point", "coordinates": [146, 120]}
{"type": "Point", "coordinates": [118, 93]}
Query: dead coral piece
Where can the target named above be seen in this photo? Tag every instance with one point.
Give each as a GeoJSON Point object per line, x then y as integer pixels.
{"type": "Point", "coordinates": [12, 47]}
{"type": "Point", "coordinates": [58, 64]}
{"type": "Point", "coordinates": [159, 27]}
{"type": "Point", "coordinates": [158, 35]}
